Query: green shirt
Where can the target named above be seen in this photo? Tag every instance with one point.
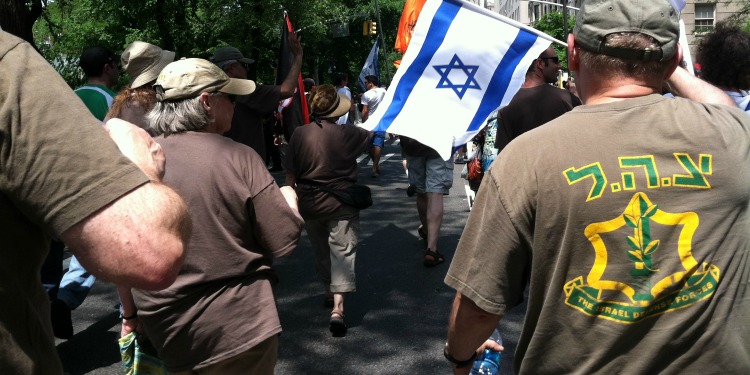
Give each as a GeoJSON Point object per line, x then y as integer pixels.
{"type": "Point", "coordinates": [98, 99]}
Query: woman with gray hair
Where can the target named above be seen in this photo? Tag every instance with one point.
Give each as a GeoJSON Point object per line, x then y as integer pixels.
{"type": "Point", "coordinates": [220, 314]}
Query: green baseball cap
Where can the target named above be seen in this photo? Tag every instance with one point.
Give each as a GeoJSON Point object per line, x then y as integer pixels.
{"type": "Point", "coordinates": [656, 18]}
{"type": "Point", "coordinates": [188, 78]}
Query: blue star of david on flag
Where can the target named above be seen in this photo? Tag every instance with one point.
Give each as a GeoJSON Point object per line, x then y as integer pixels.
{"type": "Point", "coordinates": [460, 89]}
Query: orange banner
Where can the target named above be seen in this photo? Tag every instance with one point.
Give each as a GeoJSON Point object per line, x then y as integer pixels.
{"type": "Point", "coordinates": [406, 25]}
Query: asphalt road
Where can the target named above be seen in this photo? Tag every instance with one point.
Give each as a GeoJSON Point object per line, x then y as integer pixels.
{"type": "Point", "coordinates": [397, 318]}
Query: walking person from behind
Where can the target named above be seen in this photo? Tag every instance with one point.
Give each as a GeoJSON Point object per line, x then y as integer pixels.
{"type": "Point", "coordinates": [323, 153]}
{"type": "Point", "coordinates": [628, 217]}
{"type": "Point", "coordinates": [432, 178]}
{"type": "Point", "coordinates": [370, 101]}
{"type": "Point", "coordinates": [220, 315]}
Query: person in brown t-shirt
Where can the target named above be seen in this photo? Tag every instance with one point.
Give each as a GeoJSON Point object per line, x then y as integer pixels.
{"type": "Point", "coordinates": [324, 153]}
{"type": "Point", "coordinates": [220, 314]}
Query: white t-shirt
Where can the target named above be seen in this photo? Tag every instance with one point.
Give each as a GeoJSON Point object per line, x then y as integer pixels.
{"type": "Point", "coordinates": [372, 98]}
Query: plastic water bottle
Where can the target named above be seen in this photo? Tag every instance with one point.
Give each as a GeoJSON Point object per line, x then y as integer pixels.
{"type": "Point", "coordinates": [489, 362]}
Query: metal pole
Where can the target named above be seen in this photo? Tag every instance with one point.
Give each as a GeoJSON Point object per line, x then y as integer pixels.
{"type": "Point", "coordinates": [382, 44]}
{"type": "Point", "coordinates": [565, 34]}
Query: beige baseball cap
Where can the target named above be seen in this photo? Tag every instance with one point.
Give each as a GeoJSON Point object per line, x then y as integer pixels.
{"type": "Point", "coordinates": [188, 78]}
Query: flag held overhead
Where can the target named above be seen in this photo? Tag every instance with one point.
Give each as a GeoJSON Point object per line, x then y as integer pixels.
{"type": "Point", "coordinates": [463, 62]}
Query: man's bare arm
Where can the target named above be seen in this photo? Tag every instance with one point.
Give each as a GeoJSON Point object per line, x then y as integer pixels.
{"type": "Point", "coordinates": [291, 80]}
{"type": "Point", "coordinates": [468, 330]}
{"type": "Point", "coordinates": [684, 84]}
{"type": "Point", "coordinates": [138, 240]}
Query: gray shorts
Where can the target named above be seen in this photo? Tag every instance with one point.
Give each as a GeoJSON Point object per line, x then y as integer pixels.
{"type": "Point", "coordinates": [430, 175]}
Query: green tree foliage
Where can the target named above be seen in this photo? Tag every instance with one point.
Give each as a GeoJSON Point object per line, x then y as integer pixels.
{"type": "Point", "coordinates": [194, 28]}
{"type": "Point", "coordinates": [552, 24]}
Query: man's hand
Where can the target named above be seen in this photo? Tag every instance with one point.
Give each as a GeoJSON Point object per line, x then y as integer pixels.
{"type": "Point", "coordinates": [294, 44]}
{"type": "Point", "coordinates": [138, 146]}
{"type": "Point", "coordinates": [132, 325]}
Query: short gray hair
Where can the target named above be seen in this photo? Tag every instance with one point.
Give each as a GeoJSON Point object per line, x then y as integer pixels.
{"type": "Point", "coordinates": [174, 117]}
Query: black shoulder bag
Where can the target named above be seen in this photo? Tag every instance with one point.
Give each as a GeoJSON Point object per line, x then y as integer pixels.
{"type": "Point", "coordinates": [357, 196]}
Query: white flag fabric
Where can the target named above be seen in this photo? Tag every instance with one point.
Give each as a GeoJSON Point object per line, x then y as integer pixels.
{"type": "Point", "coordinates": [462, 63]}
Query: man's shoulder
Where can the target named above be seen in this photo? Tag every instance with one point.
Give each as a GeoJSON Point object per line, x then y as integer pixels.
{"type": "Point", "coordinates": [8, 42]}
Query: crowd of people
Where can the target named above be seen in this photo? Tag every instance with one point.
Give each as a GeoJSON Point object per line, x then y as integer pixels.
{"type": "Point", "coordinates": [654, 265]}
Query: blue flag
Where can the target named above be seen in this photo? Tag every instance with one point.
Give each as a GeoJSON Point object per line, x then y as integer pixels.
{"type": "Point", "coordinates": [463, 62]}
{"type": "Point", "coordinates": [371, 67]}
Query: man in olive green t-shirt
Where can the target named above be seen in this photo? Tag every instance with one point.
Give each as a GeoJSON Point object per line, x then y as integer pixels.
{"type": "Point", "coordinates": [62, 176]}
{"type": "Point", "coordinates": [627, 217]}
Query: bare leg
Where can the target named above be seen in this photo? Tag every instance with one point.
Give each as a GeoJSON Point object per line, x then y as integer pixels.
{"type": "Point", "coordinates": [338, 302]}
{"type": "Point", "coordinates": [375, 155]}
{"type": "Point", "coordinates": [422, 208]}
{"type": "Point", "coordinates": [434, 216]}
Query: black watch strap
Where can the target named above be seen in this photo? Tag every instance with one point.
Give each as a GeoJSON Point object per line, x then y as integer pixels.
{"type": "Point", "coordinates": [457, 363]}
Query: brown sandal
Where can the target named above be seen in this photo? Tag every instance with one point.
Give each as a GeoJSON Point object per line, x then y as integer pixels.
{"type": "Point", "coordinates": [437, 258]}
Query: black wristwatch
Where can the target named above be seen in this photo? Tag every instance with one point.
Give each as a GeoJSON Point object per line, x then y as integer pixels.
{"type": "Point", "coordinates": [123, 317]}
{"type": "Point", "coordinates": [457, 363]}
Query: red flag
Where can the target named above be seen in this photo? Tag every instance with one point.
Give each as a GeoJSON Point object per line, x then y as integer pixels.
{"type": "Point", "coordinates": [293, 112]}
{"type": "Point", "coordinates": [406, 25]}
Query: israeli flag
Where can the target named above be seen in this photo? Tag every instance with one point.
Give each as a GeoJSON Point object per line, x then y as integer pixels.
{"type": "Point", "coordinates": [462, 63]}
{"type": "Point", "coordinates": [371, 67]}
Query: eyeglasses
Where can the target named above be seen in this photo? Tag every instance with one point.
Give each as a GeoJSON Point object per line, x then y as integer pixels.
{"type": "Point", "coordinates": [555, 59]}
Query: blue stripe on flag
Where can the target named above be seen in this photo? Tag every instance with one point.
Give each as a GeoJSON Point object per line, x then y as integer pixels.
{"type": "Point", "coordinates": [501, 78]}
{"type": "Point", "coordinates": [441, 22]}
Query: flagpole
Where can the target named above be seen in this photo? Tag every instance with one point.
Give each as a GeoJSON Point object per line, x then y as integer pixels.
{"type": "Point", "coordinates": [382, 43]}
{"type": "Point", "coordinates": [565, 33]}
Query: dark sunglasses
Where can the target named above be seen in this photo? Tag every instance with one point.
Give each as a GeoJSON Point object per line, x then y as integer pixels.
{"type": "Point", "coordinates": [553, 58]}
